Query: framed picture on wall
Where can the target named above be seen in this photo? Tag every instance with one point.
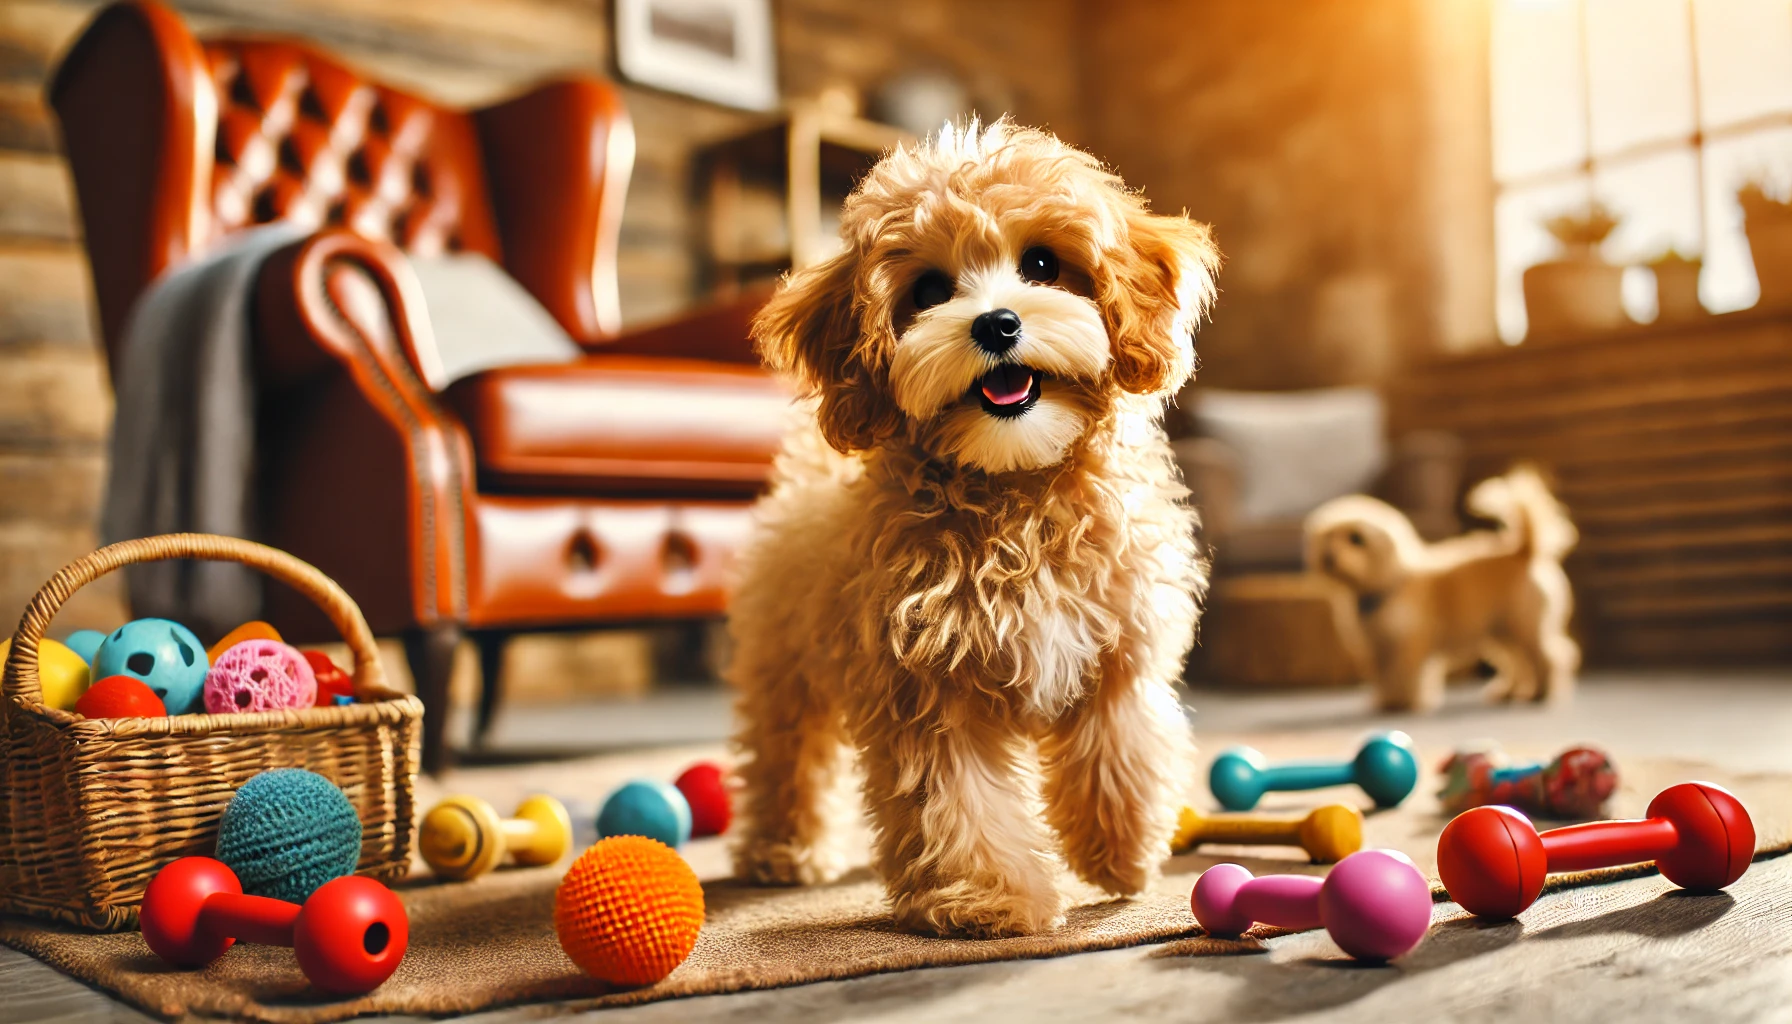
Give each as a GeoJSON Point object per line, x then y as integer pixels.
{"type": "Point", "coordinates": [715, 50]}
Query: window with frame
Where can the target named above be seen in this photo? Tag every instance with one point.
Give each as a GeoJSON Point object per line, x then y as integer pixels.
{"type": "Point", "coordinates": [1661, 110]}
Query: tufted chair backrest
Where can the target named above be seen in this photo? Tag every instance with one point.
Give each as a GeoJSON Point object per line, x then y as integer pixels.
{"type": "Point", "coordinates": [175, 144]}
{"type": "Point", "coordinates": [303, 138]}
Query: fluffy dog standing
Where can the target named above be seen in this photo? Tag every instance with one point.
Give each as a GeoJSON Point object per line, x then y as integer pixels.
{"type": "Point", "coordinates": [976, 565]}
{"type": "Point", "coordinates": [1427, 609]}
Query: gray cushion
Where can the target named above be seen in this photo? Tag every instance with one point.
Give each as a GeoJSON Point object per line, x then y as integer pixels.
{"type": "Point", "coordinates": [483, 319]}
{"type": "Point", "coordinates": [1296, 450]}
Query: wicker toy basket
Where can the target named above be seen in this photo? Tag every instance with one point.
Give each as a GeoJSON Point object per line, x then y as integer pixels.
{"type": "Point", "coordinates": [91, 809]}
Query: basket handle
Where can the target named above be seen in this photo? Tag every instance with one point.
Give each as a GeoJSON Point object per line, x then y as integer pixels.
{"type": "Point", "coordinates": [21, 679]}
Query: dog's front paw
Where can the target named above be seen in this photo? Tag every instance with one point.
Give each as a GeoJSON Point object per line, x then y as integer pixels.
{"type": "Point", "coordinates": [974, 912]}
{"type": "Point", "coordinates": [768, 862]}
{"type": "Point", "coordinates": [1118, 878]}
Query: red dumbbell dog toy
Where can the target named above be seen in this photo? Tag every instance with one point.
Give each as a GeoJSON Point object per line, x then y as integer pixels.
{"type": "Point", "coordinates": [348, 937]}
{"type": "Point", "coordinates": [1492, 860]}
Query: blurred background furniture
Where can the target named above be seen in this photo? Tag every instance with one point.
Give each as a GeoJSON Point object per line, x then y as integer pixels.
{"type": "Point", "coordinates": [610, 490]}
{"type": "Point", "coordinates": [1256, 464]}
{"type": "Point", "coordinates": [771, 196]}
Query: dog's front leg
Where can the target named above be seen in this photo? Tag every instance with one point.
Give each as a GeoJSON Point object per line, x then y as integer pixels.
{"type": "Point", "coordinates": [954, 803]}
{"type": "Point", "coordinates": [1116, 770]}
{"type": "Point", "coordinates": [792, 748]}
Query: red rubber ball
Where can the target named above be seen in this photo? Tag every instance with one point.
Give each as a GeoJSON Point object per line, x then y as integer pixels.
{"type": "Point", "coordinates": [1491, 861]}
{"type": "Point", "coordinates": [705, 788]}
{"type": "Point", "coordinates": [120, 697]}
{"type": "Point", "coordinates": [1717, 837]}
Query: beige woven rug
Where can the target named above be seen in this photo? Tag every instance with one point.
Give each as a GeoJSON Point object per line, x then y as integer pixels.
{"type": "Point", "coordinates": [490, 942]}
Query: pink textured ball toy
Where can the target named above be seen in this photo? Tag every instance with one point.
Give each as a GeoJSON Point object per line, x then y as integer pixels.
{"type": "Point", "coordinates": [1374, 904]}
{"type": "Point", "coordinates": [259, 675]}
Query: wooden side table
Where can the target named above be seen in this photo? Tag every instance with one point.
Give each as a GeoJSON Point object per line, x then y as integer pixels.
{"type": "Point", "coordinates": [1282, 630]}
{"type": "Point", "coordinates": [807, 161]}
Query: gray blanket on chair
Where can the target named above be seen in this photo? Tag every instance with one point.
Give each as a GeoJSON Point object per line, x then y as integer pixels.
{"type": "Point", "coordinates": [183, 435]}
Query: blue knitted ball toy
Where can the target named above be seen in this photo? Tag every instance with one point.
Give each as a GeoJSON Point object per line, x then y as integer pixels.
{"type": "Point", "coordinates": [165, 655]}
{"type": "Point", "coordinates": [288, 831]}
{"type": "Point", "coordinates": [646, 807]}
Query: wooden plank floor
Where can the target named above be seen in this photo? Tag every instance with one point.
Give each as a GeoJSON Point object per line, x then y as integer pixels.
{"type": "Point", "coordinates": [1635, 951]}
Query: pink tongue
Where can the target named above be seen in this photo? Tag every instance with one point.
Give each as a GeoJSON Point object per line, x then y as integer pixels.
{"type": "Point", "coordinates": [1007, 385]}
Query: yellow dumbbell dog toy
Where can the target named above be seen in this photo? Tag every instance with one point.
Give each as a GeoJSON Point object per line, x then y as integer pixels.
{"type": "Point", "coordinates": [463, 837]}
{"type": "Point", "coordinates": [1328, 834]}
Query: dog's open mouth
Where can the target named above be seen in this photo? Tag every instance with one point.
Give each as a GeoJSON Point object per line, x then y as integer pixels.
{"type": "Point", "coordinates": [1009, 390]}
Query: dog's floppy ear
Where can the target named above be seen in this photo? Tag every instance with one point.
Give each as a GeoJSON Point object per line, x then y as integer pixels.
{"type": "Point", "coordinates": [1160, 286]}
{"type": "Point", "coordinates": [810, 330]}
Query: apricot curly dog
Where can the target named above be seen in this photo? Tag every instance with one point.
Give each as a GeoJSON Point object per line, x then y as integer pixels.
{"type": "Point", "coordinates": [976, 566]}
{"type": "Point", "coordinates": [1426, 610]}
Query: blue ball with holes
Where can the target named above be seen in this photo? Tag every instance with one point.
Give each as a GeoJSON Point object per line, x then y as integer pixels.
{"type": "Point", "coordinates": [165, 655]}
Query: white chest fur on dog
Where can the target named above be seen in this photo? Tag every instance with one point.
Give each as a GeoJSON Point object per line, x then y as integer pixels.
{"type": "Point", "coordinates": [976, 568]}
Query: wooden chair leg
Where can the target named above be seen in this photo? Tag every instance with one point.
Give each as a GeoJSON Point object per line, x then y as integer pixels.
{"type": "Point", "coordinates": [491, 680]}
{"type": "Point", "coordinates": [680, 653]}
{"type": "Point", "coordinates": [430, 651]}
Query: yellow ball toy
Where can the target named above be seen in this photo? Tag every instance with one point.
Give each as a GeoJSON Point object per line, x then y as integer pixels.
{"type": "Point", "coordinates": [62, 673]}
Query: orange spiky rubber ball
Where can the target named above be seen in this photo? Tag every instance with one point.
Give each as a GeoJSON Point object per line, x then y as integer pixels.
{"type": "Point", "coordinates": [628, 910]}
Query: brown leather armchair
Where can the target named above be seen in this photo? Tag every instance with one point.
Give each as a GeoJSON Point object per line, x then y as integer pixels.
{"type": "Point", "coordinates": [610, 490]}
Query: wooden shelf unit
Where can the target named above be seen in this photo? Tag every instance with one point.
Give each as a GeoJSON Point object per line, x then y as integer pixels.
{"type": "Point", "coordinates": [811, 156]}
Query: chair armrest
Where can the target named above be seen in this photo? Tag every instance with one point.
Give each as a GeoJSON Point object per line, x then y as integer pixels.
{"type": "Point", "coordinates": [340, 331]}
{"type": "Point", "coordinates": [558, 161]}
{"type": "Point", "coordinates": [720, 332]}
{"type": "Point", "coordinates": [1210, 469]}
{"type": "Point", "coordinates": [1424, 480]}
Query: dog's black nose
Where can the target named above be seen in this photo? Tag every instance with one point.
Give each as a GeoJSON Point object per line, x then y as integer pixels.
{"type": "Point", "coordinates": [996, 331]}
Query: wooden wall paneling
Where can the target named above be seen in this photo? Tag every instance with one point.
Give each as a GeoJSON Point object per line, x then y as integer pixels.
{"type": "Point", "coordinates": [1672, 448]}
{"type": "Point", "coordinates": [37, 199]}
{"type": "Point", "coordinates": [45, 295]}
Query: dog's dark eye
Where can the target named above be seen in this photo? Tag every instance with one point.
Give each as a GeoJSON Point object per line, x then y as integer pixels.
{"type": "Point", "coordinates": [932, 289]}
{"type": "Point", "coordinates": [1355, 537]}
{"type": "Point", "coordinates": [1039, 265]}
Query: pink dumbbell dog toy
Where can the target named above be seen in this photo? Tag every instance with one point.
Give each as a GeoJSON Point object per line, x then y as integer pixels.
{"type": "Point", "coordinates": [1374, 904]}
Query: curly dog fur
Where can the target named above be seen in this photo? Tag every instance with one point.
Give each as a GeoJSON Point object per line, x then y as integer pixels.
{"type": "Point", "coordinates": [1428, 609]}
{"type": "Point", "coordinates": [976, 566]}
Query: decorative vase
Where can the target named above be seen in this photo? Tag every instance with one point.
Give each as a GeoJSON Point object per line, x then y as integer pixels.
{"type": "Point", "coordinates": [1768, 223]}
{"type": "Point", "coordinates": [1770, 243]}
{"type": "Point", "coordinates": [1677, 289]}
{"type": "Point", "coordinates": [1576, 295]}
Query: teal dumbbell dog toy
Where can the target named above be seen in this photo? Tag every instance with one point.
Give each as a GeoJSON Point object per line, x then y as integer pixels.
{"type": "Point", "coordinates": [1385, 768]}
